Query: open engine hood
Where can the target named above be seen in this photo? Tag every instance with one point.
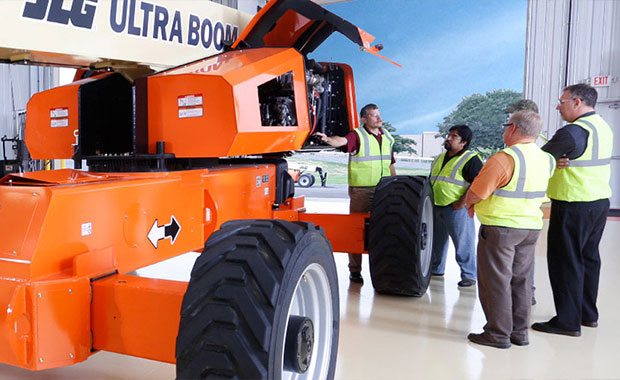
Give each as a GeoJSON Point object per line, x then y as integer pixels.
{"type": "Point", "coordinates": [303, 25]}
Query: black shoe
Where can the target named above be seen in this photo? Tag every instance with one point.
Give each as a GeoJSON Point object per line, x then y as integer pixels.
{"type": "Point", "coordinates": [519, 342]}
{"type": "Point", "coordinates": [467, 282]}
{"type": "Point", "coordinates": [548, 327]}
{"type": "Point", "coordinates": [356, 277]}
{"type": "Point", "coordinates": [593, 324]}
{"type": "Point", "coordinates": [484, 340]}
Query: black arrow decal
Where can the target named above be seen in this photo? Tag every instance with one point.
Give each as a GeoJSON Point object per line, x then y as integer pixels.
{"type": "Point", "coordinates": [167, 231]}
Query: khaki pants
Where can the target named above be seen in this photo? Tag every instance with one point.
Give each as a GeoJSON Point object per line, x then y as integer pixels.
{"type": "Point", "coordinates": [505, 263]}
{"type": "Point", "coordinates": [360, 201]}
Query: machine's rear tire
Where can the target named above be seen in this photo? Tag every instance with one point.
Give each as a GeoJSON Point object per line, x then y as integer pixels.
{"type": "Point", "coordinates": [306, 180]}
{"type": "Point", "coordinates": [400, 236]}
{"type": "Point", "coordinates": [256, 281]}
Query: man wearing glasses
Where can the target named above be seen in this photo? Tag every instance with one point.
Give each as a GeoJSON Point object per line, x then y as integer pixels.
{"type": "Point", "coordinates": [507, 195]}
{"type": "Point", "coordinates": [579, 190]}
{"type": "Point", "coordinates": [524, 105]}
{"type": "Point", "coordinates": [451, 174]}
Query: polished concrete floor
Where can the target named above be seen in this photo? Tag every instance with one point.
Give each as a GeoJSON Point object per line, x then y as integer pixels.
{"type": "Point", "coordinates": [383, 337]}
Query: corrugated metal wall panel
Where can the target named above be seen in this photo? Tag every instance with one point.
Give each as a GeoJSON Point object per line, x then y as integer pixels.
{"type": "Point", "coordinates": [595, 40]}
{"type": "Point", "coordinates": [545, 57]}
{"type": "Point", "coordinates": [593, 49]}
{"type": "Point", "coordinates": [17, 84]}
{"type": "Point", "coordinates": [571, 41]}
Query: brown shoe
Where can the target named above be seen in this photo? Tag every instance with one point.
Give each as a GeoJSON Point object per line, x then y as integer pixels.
{"type": "Point", "coordinates": [485, 340]}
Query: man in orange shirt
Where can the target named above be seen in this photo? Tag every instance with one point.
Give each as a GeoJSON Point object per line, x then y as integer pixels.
{"type": "Point", "coordinates": [507, 195]}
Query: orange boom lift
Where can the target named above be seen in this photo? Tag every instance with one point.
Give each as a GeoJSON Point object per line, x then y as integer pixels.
{"type": "Point", "coordinates": [188, 155]}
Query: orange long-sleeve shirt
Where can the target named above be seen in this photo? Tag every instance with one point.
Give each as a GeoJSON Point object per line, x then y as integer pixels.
{"type": "Point", "coordinates": [495, 173]}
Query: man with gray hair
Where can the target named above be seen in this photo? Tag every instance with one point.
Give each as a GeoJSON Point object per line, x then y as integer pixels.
{"type": "Point", "coordinates": [523, 105]}
{"type": "Point", "coordinates": [507, 195]}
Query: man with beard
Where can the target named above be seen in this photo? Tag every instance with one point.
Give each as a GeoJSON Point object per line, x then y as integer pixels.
{"type": "Point", "coordinates": [451, 174]}
{"type": "Point", "coordinates": [371, 157]}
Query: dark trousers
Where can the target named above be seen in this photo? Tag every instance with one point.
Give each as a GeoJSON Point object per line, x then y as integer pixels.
{"type": "Point", "coordinates": [360, 200]}
{"type": "Point", "coordinates": [575, 231]}
{"type": "Point", "coordinates": [505, 263]}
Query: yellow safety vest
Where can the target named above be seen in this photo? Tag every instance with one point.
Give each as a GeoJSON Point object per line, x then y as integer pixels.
{"type": "Point", "coordinates": [517, 205]}
{"type": "Point", "coordinates": [448, 182]}
{"type": "Point", "coordinates": [587, 177]}
{"type": "Point", "coordinates": [371, 162]}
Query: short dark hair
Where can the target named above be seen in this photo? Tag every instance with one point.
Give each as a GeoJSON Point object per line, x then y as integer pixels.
{"type": "Point", "coordinates": [464, 132]}
{"type": "Point", "coordinates": [366, 108]}
{"type": "Point", "coordinates": [584, 92]}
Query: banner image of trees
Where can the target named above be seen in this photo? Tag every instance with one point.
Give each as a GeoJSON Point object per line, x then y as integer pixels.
{"type": "Point", "coordinates": [484, 114]}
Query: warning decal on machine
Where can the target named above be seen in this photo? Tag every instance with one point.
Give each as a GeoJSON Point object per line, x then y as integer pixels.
{"type": "Point", "coordinates": [59, 112]}
{"type": "Point", "coordinates": [190, 106]}
{"type": "Point", "coordinates": [190, 100]}
{"type": "Point", "coordinates": [59, 117]}
{"type": "Point", "coordinates": [58, 123]}
{"type": "Point", "coordinates": [190, 112]}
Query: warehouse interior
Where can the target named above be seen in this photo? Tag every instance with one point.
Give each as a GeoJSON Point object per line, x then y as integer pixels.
{"type": "Point", "coordinates": [391, 337]}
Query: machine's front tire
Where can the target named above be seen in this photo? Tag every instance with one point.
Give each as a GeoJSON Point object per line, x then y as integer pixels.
{"type": "Point", "coordinates": [306, 180]}
{"type": "Point", "coordinates": [400, 237]}
{"type": "Point", "coordinates": [262, 303]}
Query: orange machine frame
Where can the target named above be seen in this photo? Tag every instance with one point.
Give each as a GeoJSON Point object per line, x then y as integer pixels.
{"type": "Point", "coordinates": [84, 230]}
{"type": "Point", "coordinates": [70, 238]}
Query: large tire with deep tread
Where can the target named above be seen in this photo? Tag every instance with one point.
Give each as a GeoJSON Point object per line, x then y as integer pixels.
{"type": "Point", "coordinates": [400, 236]}
{"type": "Point", "coordinates": [252, 277]}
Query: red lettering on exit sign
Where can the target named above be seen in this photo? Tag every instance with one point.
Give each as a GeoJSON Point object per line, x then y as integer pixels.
{"type": "Point", "coordinates": [600, 81]}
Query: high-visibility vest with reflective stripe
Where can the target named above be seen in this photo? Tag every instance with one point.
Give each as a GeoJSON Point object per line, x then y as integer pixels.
{"type": "Point", "coordinates": [586, 178]}
{"type": "Point", "coordinates": [372, 161]}
{"type": "Point", "coordinates": [517, 205]}
{"type": "Point", "coordinates": [449, 185]}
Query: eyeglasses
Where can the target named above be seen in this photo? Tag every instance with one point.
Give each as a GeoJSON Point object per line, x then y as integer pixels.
{"type": "Point", "coordinates": [507, 125]}
{"type": "Point", "coordinates": [562, 101]}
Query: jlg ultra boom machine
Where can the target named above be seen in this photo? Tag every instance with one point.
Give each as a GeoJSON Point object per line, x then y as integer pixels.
{"type": "Point", "coordinates": [190, 154]}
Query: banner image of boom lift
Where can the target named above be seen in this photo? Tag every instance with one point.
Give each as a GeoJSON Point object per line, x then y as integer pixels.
{"type": "Point", "coordinates": [303, 177]}
{"type": "Point", "coordinates": [192, 159]}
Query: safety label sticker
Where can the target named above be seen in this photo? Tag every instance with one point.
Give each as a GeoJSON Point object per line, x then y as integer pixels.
{"type": "Point", "coordinates": [190, 100]}
{"type": "Point", "coordinates": [58, 123]}
{"type": "Point", "coordinates": [190, 112]}
{"type": "Point", "coordinates": [59, 117]}
{"type": "Point", "coordinates": [59, 112]}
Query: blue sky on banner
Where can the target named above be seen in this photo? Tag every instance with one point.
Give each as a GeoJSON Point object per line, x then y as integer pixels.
{"type": "Point", "coordinates": [449, 49]}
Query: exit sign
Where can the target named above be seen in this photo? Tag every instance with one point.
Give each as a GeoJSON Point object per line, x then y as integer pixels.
{"type": "Point", "coordinates": [600, 81]}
